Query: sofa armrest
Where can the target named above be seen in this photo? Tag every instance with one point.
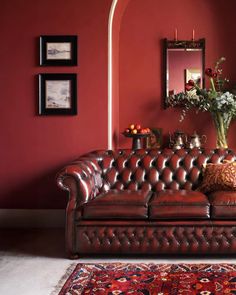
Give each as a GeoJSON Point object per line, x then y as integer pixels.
{"type": "Point", "coordinates": [81, 180]}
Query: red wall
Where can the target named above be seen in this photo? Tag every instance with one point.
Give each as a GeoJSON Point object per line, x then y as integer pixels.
{"type": "Point", "coordinates": [33, 147]}
{"type": "Point", "coordinates": [144, 25]}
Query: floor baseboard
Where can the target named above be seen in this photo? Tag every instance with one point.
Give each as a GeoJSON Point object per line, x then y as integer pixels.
{"type": "Point", "coordinates": [32, 218]}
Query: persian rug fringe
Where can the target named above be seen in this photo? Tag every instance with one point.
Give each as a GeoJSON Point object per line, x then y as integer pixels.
{"type": "Point", "coordinates": [63, 279]}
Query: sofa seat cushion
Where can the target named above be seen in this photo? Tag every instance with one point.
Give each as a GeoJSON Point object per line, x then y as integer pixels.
{"type": "Point", "coordinates": [116, 204]}
{"type": "Point", "coordinates": [179, 204]}
{"type": "Point", "coordinates": [223, 204]}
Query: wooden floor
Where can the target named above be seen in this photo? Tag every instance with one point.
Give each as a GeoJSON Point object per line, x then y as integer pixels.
{"type": "Point", "coordinates": [33, 261]}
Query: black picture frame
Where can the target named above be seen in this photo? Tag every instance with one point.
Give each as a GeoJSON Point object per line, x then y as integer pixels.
{"type": "Point", "coordinates": [58, 50]}
{"type": "Point", "coordinates": [57, 94]}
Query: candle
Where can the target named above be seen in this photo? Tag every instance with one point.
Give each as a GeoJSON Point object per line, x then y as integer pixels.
{"type": "Point", "coordinates": [193, 35]}
{"type": "Point", "coordinates": [176, 34]}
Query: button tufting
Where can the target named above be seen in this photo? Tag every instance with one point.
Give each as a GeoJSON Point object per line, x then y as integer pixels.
{"type": "Point", "coordinates": [159, 166]}
{"type": "Point", "coordinates": [126, 164]}
{"type": "Point", "coordinates": [153, 163]}
{"type": "Point", "coordinates": [118, 177]}
{"type": "Point", "coordinates": [165, 238]}
{"type": "Point", "coordinates": [174, 169]}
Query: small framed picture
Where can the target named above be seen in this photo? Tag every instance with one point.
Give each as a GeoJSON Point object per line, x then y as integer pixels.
{"type": "Point", "coordinates": [193, 74]}
{"type": "Point", "coordinates": [57, 94]}
{"type": "Point", "coordinates": [58, 50]}
{"type": "Point", "coordinates": [155, 138]}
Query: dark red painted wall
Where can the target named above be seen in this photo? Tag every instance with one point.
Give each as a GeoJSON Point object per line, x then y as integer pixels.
{"type": "Point", "coordinates": [33, 147]}
{"type": "Point", "coordinates": [144, 25]}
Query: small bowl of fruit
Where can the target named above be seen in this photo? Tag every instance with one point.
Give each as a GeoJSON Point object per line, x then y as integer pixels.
{"type": "Point", "coordinates": [136, 130]}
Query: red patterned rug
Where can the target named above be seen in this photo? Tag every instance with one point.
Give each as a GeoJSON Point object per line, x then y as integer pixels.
{"type": "Point", "coordinates": [150, 279]}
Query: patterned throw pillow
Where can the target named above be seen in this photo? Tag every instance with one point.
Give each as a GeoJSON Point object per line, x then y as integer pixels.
{"type": "Point", "coordinates": [219, 177]}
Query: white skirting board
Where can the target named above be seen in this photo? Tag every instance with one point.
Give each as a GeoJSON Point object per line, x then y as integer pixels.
{"type": "Point", "coordinates": [32, 218]}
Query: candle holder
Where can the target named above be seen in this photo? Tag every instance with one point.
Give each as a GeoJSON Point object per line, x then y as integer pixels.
{"type": "Point", "coordinates": [193, 35]}
{"type": "Point", "coordinates": [176, 35]}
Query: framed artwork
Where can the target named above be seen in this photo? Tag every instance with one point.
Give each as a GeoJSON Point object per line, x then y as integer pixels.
{"type": "Point", "coordinates": [57, 94]}
{"type": "Point", "coordinates": [58, 50]}
{"type": "Point", "coordinates": [193, 74]}
{"type": "Point", "coordinates": [155, 139]}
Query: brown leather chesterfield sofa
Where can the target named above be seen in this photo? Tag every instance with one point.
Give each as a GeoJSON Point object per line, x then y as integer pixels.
{"type": "Point", "coordinates": [145, 202]}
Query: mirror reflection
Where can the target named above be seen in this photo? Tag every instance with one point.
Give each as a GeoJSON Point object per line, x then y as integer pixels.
{"type": "Point", "coordinates": [184, 61]}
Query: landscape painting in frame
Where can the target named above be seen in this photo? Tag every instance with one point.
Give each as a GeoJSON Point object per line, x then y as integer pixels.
{"type": "Point", "coordinates": [57, 94]}
{"type": "Point", "coordinates": [58, 50]}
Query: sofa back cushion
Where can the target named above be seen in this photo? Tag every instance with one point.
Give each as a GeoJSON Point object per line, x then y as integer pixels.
{"type": "Point", "coordinates": [156, 169]}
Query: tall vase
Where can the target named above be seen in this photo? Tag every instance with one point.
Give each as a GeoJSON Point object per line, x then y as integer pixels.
{"type": "Point", "coordinates": [221, 122]}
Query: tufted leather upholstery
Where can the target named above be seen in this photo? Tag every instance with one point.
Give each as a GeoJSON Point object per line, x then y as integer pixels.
{"type": "Point", "coordinates": [157, 238]}
{"type": "Point", "coordinates": [147, 171]}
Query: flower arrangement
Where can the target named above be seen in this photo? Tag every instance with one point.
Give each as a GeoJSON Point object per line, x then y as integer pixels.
{"type": "Point", "coordinates": [216, 100]}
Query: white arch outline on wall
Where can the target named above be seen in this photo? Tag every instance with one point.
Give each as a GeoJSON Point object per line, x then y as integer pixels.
{"type": "Point", "coordinates": [110, 74]}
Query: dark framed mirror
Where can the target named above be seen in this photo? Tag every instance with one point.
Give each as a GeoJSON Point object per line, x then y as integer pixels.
{"type": "Point", "coordinates": [183, 61]}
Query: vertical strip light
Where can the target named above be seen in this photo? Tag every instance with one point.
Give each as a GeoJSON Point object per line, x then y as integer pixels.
{"type": "Point", "coordinates": [110, 74]}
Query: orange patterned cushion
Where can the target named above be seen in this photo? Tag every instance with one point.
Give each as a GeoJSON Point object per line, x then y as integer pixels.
{"type": "Point", "coordinates": [219, 177]}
